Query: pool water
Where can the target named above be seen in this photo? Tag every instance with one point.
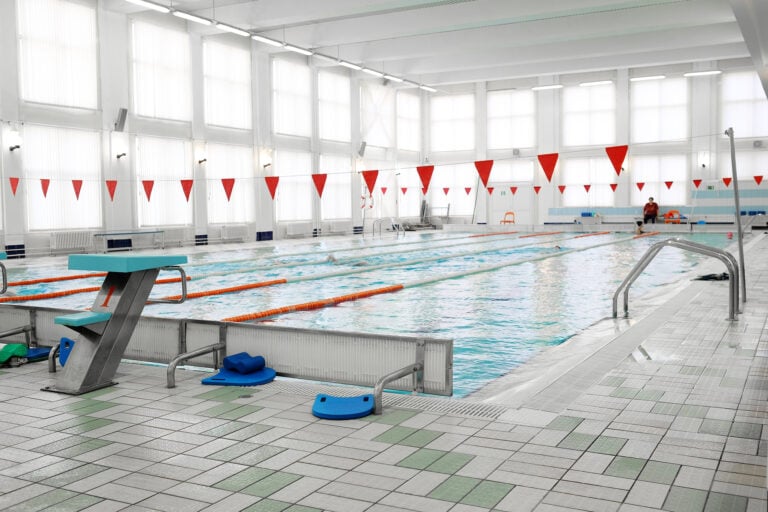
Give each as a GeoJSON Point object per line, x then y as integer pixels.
{"type": "Point", "coordinates": [542, 291]}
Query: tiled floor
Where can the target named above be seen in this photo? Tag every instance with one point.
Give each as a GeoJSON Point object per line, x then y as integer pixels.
{"type": "Point", "coordinates": [685, 430]}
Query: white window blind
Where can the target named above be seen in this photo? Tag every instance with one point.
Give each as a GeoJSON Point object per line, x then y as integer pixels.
{"type": "Point", "coordinates": [61, 156]}
{"type": "Point", "coordinates": [513, 171]}
{"type": "Point", "coordinates": [161, 74]}
{"type": "Point", "coordinates": [408, 121]}
{"type": "Point", "coordinates": [597, 173]}
{"type": "Point", "coordinates": [295, 189]}
{"type": "Point", "coordinates": [334, 106]}
{"type": "Point", "coordinates": [659, 110]}
{"type": "Point", "coordinates": [743, 104]}
{"type": "Point", "coordinates": [456, 178]}
{"type": "Point", "coordinates": [453, 122]}
{"type": "Point", "coordinates": [291, 98]}
{"type": "Point", "coordinates": [410, 201]}
{"type": "Point", "coordinates": [226, 162]}
{"type": "Point", "coordinates": [653, 172]}
{"type": "Point", "coordinates": [164, 162]}
{"type": "Point", "coordinates": [227, 84]}
{"type": "Point", "coordinates": [378, 114]}
{"type": "Point", "coordinates": [589, 115]}
{"type": "Point", "coordinates": [511, 119]}
{"type": "Point", "coordinates": [748, 164]}
{"type": "Point", "coordinates": [337, 194]}
{"type": "Point", "coordinates": [58, 52]}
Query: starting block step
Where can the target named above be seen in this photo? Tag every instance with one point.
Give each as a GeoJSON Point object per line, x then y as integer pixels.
{"type": "Point", "coordinates": [84, 318]}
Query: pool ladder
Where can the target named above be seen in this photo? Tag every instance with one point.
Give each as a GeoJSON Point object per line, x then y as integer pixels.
{"type": "Point", "coordinates": [397, 227]}
{"type": "Point", "coordinates": [724, 256]}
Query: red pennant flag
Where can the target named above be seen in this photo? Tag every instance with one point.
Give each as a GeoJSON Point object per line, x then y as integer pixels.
{"type": "Point", "coordinates": [111, 186]}
{"type": "Point", "coordinates": [613, 186]}
{"type": "Point", "coordinates": [536, 189]}
{"type": "Point", "coordinates": [562, 188]}
{"type": "Point", "coordinates": [727, 181]}
{"type": "Point", "coordinates": [587, 187]}
{"type": "Point", "coordinates": [272, 184]}
{"type": "Point", "coordinates": [445, 190]}
{"type": "Point", "coordinates": [548, 162]}
{"type": "Point", "coordinates": [490, 190]}
{"type": "Point", "coordinates": [425, 173]}
{"type": "Point", "coordinates": [186, 186]}
{"type": "Point", "coordinates": [668, 184]}
{"type": "Point", "coordinates": [513, 190]}
{"type": "Point", "coordinates": [383, 190]}
{"type": "Point", "coordinates": [758, 180]}
{"type": "Point", "coordinates": [319, 180]}
{"type": "Point", "coordinates": [44, 182]}
{"type": "Point", "coordinates": [617, 155]}
{"type": "Point", "coordinates": [404, 190]}
{"type": "Point", "coordinates": [228, 184]}
{"type": "Point", "coordinates": [370, 180]}
{"type": "Point", "coordinates": [484, 170]}
{"type": "Point", "coordinates": [696, 183]}
{"type": "Point", "coordinates": [467, 190]}
{"type": "Point", "coordinates": [77, 185]}
{"type": "Point", "coordinates": [640, 185]}
{"type": "Point", "coordinates": [14, 184]}
{"type": "Point", "coordinates": [148, 185]}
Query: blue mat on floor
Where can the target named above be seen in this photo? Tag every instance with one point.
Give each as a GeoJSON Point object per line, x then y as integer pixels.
{"type": "Point", "coordinates": [38, 354]}
{"type": "Point", "coordinates": [230, 378]}
{"type": "Point", "coordinates": [342, 408]}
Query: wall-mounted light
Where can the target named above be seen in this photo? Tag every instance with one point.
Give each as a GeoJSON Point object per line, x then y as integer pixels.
{"type": "Point", "coordinates": [202, 160]}
{"type": "Point", "coordinates": [14, 147]}
{"type": "Point", "coordinates": [120, 155]}
{"type": "Point", "coordinates": [14, 140]}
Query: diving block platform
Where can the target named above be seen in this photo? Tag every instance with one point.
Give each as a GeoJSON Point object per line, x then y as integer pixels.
{"type": "Point", "coordinates": [106, 329]}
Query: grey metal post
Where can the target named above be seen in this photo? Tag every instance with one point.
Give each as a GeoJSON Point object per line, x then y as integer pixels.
{"type": "Point", "coordinates": [729, 133]}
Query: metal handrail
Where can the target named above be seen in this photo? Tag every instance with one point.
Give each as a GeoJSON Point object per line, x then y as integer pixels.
{"type": "Point", "coordinates": [724, 256]}
{"type": "Point", "coordinates": [171, 370]}
{"type": "Point", "coordinates": [183, 295]}
{"type": "Point", "coordinates": [397, 226]}
{"type": "Point", "coordinates": [5, 279]}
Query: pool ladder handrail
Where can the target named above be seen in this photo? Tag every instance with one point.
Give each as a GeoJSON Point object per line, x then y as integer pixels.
{"type": "Point", "coordinates": [396, 226]}
{"type": "Point", "coordinates": [724, 256]}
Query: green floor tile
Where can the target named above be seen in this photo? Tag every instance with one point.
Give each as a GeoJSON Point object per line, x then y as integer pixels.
{"type": "Point", "coordinates": [394, 435]}
{"type": "Point", "coordinates": [421, 459]}
{"type": "Point", "coordinates": [52, 470]}
{"type": "Point", "coordinates": [302, 508]}
{"type": "Point", "coordinates": [268, 506]}
{"type": "Point", "coordinates": [240, 412]}
{"type": "Point", "coordinates": [391, 416]}
{"type": "Point", "coordinates": [243, 479]}
{"type": "Point", "coordinates": [227, 428]}
{"type": "Point", "coordinates": [717, 502]}
{"type": "Point", "coordinates": [61, 444]}
{"type": "Point", "coordinates": [233, 452]}
{"type": "Point", "coordinates": [716, 427]}
{"type": "Point", "coordinates": [271, 484]}
{"type": "Point", "coordinates": [48, 500]}
{"type": "Point", "coordinates": [89, 426]}
{"type": "Point", "coordinates": [732, 382]}
{"type": "Point", "coordinates": [566, 423]}
{"type": "Point", "coordinates": [70, 423]}
{"type": "Point", "coordinates": [607, 445]}
{"type": "Point", "coordinates": [74, 475]}
{"type": "Point", "coordinates": [226, 393]}
{"type": "Point", "coordinates": [746, 430]}
{"type": "Point", "coordinates": [693, 411]}
{"type": "Point", "coordinates": [682, 499]}
{"type": "Point", "coordinates": [625, 393]}
{"type": "Point", "coordinates": [625, 467]}
{"type": "Point", "coordinates": [577, 441]}
{"type": "Point", "coordinates": [691, 370]}
{"type": "Point", "coordinates": [243, 434]}
{"type": "Point", "coordinates": [77, 503]}
{"type": "Point", "coordinates": [420, 438]}
{"type": "Point", "coordinates": [450, 463]}
{"type": "Point", "coordinates": [666, 408]}
{"type": "Point", "coordinates": [229, 411]}
{"type": "Point", "coordinates": [613, 382]}
{"type": "Point", "coordinates": [258, 455]}
{"type": "Point", "coordinates": [653, 395]}
{"type": "Point", "coordinates": [454, 489]}
{"type": "Point", "coordinates": [74, 451]}
{"type": "Point", "coordinates": [659, 472]}
{"type": "Point", "coordinates": [487, 494]}
{"type": "Point", "coordinates": [97, 393]}
{"type": "Point", "coordinates": [713, 372]}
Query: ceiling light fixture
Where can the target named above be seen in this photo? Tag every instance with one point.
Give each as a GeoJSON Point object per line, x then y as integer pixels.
{"type": "Point", "coordinates": [645, 78]}
{"type": "Point", "coordinates": [267, 40]}
{"type": "Point", "coordinates": [373, 72]}
{"type": "Point", "coordinates": [191, 17]}
{"type": "Point", "coordinates": [702, 73]}
{"type": "Point", "coordinates": [546, 87]}
{"type": "Point", "coordinates": [393, 78]}
{"type": "Point", "coordinates": [231, 29]}
{"type": "Point", "coordinates": [350, 65]}
{"type": "Point", "coordinates": [296, 49]}
{"type": "Point", "coordinates": [151, 5]}
{"type": "Point", "coordinates": [427, 88]}
{"type": "Point", "coordinates": [592, 84]}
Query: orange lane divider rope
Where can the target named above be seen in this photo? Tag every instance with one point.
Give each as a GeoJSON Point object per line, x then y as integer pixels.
{"type": "Point", "coordinates": [650, 233]}
{"type": "Point", "coordinates": [501, 233]}
{"type": "Point", "coordinates": [316, 304]}
{"type": "Point", "coordinates": [231, 289]}
{"type": "Point", "coordinates": [593, 234]}
{"type": "Point", "coordinates": [49, 295]}
{"type": "Point", "coordinates": [56, 279]}
{"type": "Point", "coordinates": [542, 234]}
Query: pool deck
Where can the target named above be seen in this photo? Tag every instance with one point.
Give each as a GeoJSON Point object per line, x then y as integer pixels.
{"type": "Point", "coordinates": [681, 426]}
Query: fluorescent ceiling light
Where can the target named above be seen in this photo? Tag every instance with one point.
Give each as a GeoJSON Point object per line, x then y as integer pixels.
{"type": "Point", "coordinates": [546, 87]}
{"type": "Point", "coordinates": [393, 78]}
{"type": "Point", "coordinates": [267, 40]}
{"type": "Point", "coordinates": [151, 5]}
{"type": "Point", "coordinates": [427, 88]}
{"type": "Point", "coordinates": [644, 78]}
{"type": "Point", "coordinates": [373, 72]}
{"type": "Point", "coordinates": [702, 73]}
{"type": "Point", "coordinates": [234, 30]}
{"type": "Point", "coordinates": [599, 82]}
{"type": "Point", "coordinates": [325, 57]}
{"type": "Point", "coordinates": [191, 17]}
{"type": "Point", "coordinates": [298, 50]}
{"type": "Point", "coordinates": [349, 65]}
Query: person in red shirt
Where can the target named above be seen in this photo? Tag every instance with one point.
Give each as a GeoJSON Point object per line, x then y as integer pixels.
{"type": "Point", "coordinates": [650, 211]}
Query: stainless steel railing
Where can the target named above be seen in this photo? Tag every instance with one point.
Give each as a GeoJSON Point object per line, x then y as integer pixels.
{"type": "Point", "coordinates": [724, 256]}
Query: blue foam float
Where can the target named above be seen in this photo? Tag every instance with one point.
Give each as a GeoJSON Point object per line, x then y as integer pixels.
{"type": "Point", "coordinates": [342, 408]}
{"type": "Point", "coordinates": [243, 363]}
{"type": "Point", "coordinates": [227, 377]}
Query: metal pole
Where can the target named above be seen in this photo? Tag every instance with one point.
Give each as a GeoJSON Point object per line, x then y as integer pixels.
{"type": "Point", "coordinates": [729, 133]}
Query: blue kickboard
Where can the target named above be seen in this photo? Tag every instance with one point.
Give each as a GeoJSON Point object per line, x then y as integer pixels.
{"type": "Point", "coordinates": [38, 353]}
{"type": "Point", "coordinates": [342, 408]}
{"type": "Point", "coordinates": [229, 378]}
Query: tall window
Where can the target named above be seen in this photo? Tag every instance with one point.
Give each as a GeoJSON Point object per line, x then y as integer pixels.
{"type": "Point", "coordinates": [227, 83]}
{"type": "Point", "coordinates": [511, 119]}
{"type": "Point", "coordinates": [596, 173]}
{"type": "Point", "coordinates": [589, 115]}
{"type": "Point", "coordinates": [161, 75]}
{"type": "Point", "coordinates": [377, 106]}
{"type": "Point", "coordinates": [336, 202]}
{"type": "Point", "coordinates": [63, 169]}
{"type": "Point", "coordinates": [654, 172]}
{"type": "Point", "coordinates": [659, 110]}
{"type": "Point", "coordinates": [230, 168]}
{"type": "Point", "coordinates": [334, 106]}
{"type": "Point", "coordinates": [743, 104]}
{"type": "Point", "coordinates": [58, 52]}
{"type": "Point", "coordinates": [447, 191]}
{"type": "Point", "coordinates": [453, 122]}
{"type": "Point", "coordinates": [291, 98]}
{"type": "Point", "coordinates": [749, 163]}
{"type": "Point", "coordinates": [408, 121]}
{"type": "Point", "coordinates": [408, 192]}
{"type": "Point", "coordinates": [294, 192]}
{"type": "Point", "coordinates": [161, 165]}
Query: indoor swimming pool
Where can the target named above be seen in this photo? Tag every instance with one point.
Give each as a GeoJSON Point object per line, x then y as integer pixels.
{"type": "Point", "coordinates": [502, 298]}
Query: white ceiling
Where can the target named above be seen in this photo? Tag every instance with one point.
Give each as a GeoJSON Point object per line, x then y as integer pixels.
{"type": "Point", "coordinates": [441, 42]}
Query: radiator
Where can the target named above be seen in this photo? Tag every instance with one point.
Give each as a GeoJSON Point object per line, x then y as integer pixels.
{"type": "Point", "coordinates": [177, 236]}
{"type": "Point", "coordinates": [71, 240]}
{"type": "Point", "coordinates": [341, 226]}
{"type": "Point", "coordinates": [236, 232]}
{"type": "Point", "coordinates": [298, 228]}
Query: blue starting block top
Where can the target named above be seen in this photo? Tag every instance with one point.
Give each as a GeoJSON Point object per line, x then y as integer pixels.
{"type": "Point", "coordinates": [83, 318]}
{"type": "Point", "coordinates": [3, 256]}
{"type": "Point", "coordinates": [121, 263]}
